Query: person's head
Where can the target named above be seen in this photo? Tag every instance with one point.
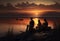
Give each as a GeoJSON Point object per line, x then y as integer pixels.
{"type": "Point", "coordinates": [38, 20]}
{"type": "Point", "coordinates": [44, 19]}
{"type": "Point", "coordinates": [31, 18]}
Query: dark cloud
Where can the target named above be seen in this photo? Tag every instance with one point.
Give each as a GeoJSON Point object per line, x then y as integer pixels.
{"type": "Point", "coordinates": [35, 1]}
{"type": "Point", "coordinates": [51, 14]}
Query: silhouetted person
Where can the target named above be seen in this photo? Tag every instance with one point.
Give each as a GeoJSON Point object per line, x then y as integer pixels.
{"type": "Point", "coordinates": [31, 25]}
{"type": "Point", "coordinates": [45, 25]}
{"type": "Point", "coordinates": [39, 25]}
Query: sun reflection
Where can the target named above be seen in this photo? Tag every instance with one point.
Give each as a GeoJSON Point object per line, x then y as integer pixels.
{"type": "Point", "coordinates": [36, 21]}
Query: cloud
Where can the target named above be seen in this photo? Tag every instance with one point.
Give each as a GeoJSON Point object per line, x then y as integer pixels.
{"type": "Point", "coordinates": [43, 1]}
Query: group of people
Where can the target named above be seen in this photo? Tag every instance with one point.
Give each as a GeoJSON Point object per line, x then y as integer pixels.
{"type": "Point", "coordinates": [39, 26]}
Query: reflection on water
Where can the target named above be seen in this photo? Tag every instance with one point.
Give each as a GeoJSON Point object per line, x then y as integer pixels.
{"type": "Point", "coordinates": [16, 28]}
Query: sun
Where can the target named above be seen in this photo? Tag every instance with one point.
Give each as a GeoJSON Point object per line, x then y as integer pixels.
{"type": "Point", "coordinates": [33, 12]}
{"type": "Point", "coordinates": [36, 12]}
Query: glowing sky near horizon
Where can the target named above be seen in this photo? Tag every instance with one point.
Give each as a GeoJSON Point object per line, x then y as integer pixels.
{"type": "Point", "coordinates": [46, 2]}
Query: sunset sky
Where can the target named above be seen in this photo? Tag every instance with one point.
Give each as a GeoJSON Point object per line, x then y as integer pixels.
{"type": "Point", "coordinates": [9, 15]}
{"type": "Point", "coordinates": [46, 2]}
{"type": "Point", "coordinates": [17, 14]}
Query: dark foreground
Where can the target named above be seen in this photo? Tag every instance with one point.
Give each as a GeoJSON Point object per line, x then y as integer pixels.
{"type": "Point", "coordinates": [51, 35]}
